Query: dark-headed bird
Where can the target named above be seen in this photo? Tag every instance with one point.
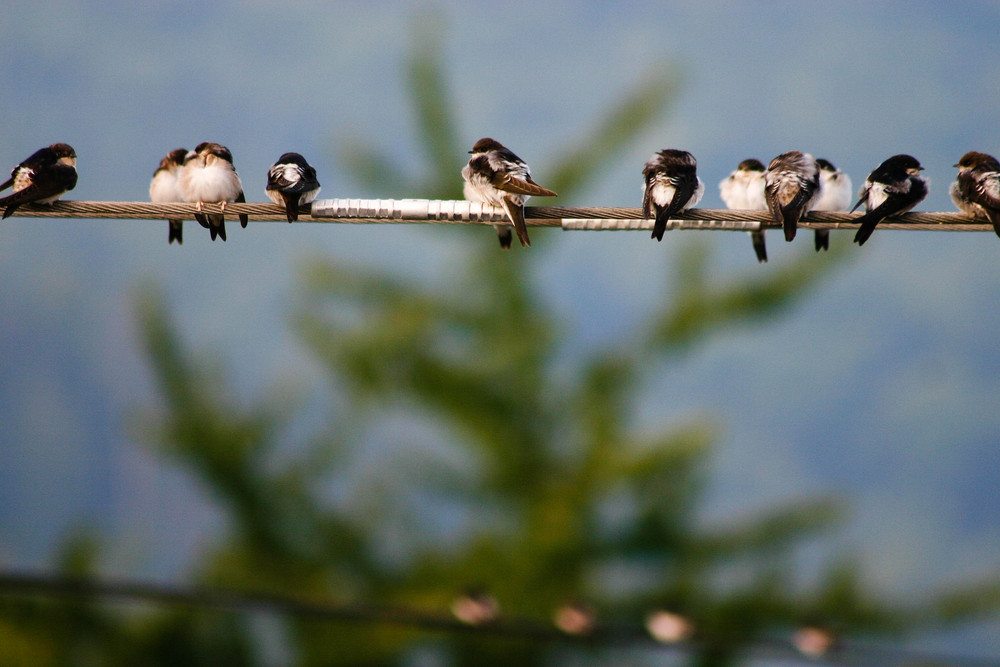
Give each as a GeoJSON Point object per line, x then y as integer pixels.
{"type": "Point", "coordinates": [835, 194]}
{"type": "Point", "coordinates": [497, 177]}
{"type": "Point", "coordinates": [671, 184]}
{"type": "Point", "coordinates": [791, 186]}
{"type": "Point", "coordinates": [743, 190]}
{"type": "Point", "coordinates": [976, 190]}
{"type": "Point", "coordinates": [41, 179]}
{"type": "Point", "coordinates": [166, 187]}
{"type": "Point", "coordinates": [291, 182]}
{"type": "Point", "coordinates": [209, 176]}
{"type": "Point", "coordinates": [894, 187]}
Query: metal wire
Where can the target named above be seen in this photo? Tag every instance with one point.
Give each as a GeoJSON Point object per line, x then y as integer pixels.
{"type": "Point", "coordinates": [423, 211]}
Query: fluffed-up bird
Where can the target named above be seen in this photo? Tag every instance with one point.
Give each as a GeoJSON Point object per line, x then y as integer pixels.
{"type": "Point", "coordinates": [495, 176]}
{"type": "Point", "coordinates": [166, 187]}
{"type": "Point", "coordinates": [743, 190]}
{"type": "Point", "coordinates": [976, 190]}
{"type": "Point", "coordinates": [835, 194]}
{"type": "Point", "coordinates": [291, 182]}
{"type": "Point", "coordinates": [893, 187]}
{"type": "Point", "coordinates": [670, 185]}
{"type": "Point", "coordinates": [791, 185]}
{"type": "Point", "coordinates": [40, 179]}
{"type": "Point", "coordinates": [209, 176]}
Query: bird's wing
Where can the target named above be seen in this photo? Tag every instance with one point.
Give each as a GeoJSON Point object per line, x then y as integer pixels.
{"type": "Point", "coordinates": [684, 189]}
{"type": "Point", "coordinates": [46, 183]}
{"type": "Point", "coordinates": [244, 218]}
{"type": "Point", "coordinates": [521, 186]}
{"type": "Point", "coordinates": [986, 191]}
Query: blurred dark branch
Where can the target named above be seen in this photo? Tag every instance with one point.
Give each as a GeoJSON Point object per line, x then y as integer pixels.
{"type": "Point", "coordinates": [21, 585]}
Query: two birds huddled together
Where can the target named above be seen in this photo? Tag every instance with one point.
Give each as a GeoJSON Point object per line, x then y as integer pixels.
{"type": "Point", "coordinates": [793, 184]}
{"type": "Point", "coordinates": [207, 174]}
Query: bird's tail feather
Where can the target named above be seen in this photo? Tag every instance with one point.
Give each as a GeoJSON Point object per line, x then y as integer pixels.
{"type": "Point", "coordinates": [175, 232]}
{"type": "Point", "coordinates": [759, 245]}
{"type": "Point", "coordinates": [660, 226]}
{"type": "Point", "coordinates": [790, 225]}
{"type": "Point", "coordinates": [866, 226]}
{"type": "Point", "coordinates": [505, 235]}
{"type": "Point", "coordinates": [291, 207]}
{"type": "Point", "coordinates": [994, 217]}
{"type": "Point", "coordinates": [217, 228]}
{"type": "Point", "coordinates": [516, 214]}
{"type": "Point", "coordinates": [244, 218]}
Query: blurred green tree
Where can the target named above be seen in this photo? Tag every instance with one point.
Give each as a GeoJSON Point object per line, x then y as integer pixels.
{"type": "Point", "coordinates": [462, 448]}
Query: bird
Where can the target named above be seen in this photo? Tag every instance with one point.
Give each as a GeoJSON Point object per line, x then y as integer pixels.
{"type": "Point", "coordinates": [893, 187]}
{"type": "Point", "coordinates": [495, 176]}
{"type": "Point", "coordinates": [40, 179]}
{"type": "Point", "coordinates": [291, 182]}
{"type": "Point", "coordinates": [791, 184]}
{"type": "Point", "coordinates": [165, 187]}
{"type": "Point", "coordinates": [835, 194]}
{"type": "Point", "coordinates": [671, 184]}
{"type": "Point", "coordinates": [976, 190]}
{"type": "Point", "coordinates": [743, 190]}
{"type": "Point", "coordinates": [209, 176]}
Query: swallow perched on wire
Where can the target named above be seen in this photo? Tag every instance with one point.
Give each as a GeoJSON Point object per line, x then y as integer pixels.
{"type": "Point", "coordinates": [40, 179]}
{"type": "Point", "coordinates": [791, 185]}
{"type": "Point", "coordinates": [497, 177]}
{"type": "Point", "coordinates": [166, 187]}
{"type": "Point", "coordinates": [894, 187]}
{"type": "Point", "coordinates": [209, 176]}
{"type": "Point", "coordinates": [743, 190]}
{"type": "Point", "coordinates": [291, 182]}
{"type": "Point", "coordinates": [671, 184]}
{"type": "Point", "coordinates": [835, 194]}
{"type": "Point", "coordinates": [976, 190]}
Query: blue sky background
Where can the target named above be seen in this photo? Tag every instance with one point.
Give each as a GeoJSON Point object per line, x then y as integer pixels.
{"type": "Point", "coordinates": [881, 387]}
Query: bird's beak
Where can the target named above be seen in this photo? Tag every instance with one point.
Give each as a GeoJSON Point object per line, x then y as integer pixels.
{"type": "Point", "coordinates": [955, 165]}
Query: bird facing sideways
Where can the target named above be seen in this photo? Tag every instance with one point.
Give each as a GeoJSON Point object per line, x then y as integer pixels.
{"type": "Point", "coordinates": [291, 182]}
{"type": "Point", "coordinates": [209, 176]}
{"type": "Point", "coordinates": [791, 186]}
{"type": "Point", "coordinates": [166, 187]}
{"type": "Point", "coordinates": [835, 194]}
{"type": "Point", "coordinates": [976, 189]}
{"type": "Point", "coordinates": [743, 190]}
{"type": "Point", "coordinates": [671, 184]}
{"type": "Point", "coordinates": [40, 179]}
{"type": "Point", "coordinates": [495, 176]}
{"type": "Point", "coordinates": [893, 187]}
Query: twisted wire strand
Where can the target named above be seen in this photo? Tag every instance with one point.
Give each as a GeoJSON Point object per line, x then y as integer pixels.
{"type": "Point", "coordinates": [387, 211]}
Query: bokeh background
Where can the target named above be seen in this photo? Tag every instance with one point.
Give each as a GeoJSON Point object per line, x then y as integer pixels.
{"type": "Point", "coordinates": [876, 386]}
